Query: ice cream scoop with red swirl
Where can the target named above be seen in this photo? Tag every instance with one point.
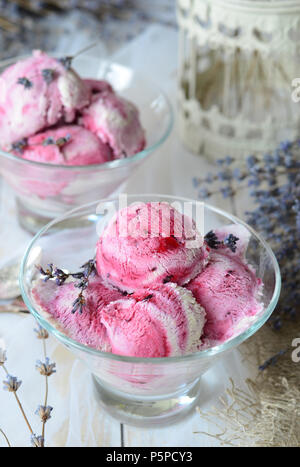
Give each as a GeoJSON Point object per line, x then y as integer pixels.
{"type": "Point", "coordinates": [36, 93]}
{"type": "Point", "coordinates": [148, 244]}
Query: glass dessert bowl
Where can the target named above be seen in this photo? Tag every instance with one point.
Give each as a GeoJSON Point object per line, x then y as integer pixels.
{"type": "Point", "coordinates": [142, 391]}
{"type": "Point", "coordinates": [44, 191]}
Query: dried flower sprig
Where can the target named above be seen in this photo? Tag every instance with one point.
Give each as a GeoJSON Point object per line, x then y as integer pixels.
{"type": "Point", "coordinates": [273, 181]}
{"type": "Point", "coordinates": [48, 74]}
{"type": "Point", "coordinates": [274, 184]}
{"type": "Point", "coordinates": [12, 384]}
{"type": "Point", "coordinates": [46, 369]}
{"type": "Point", "coordinates": [44, 412]}
{"type": "Point", "coordinates": [58, 142]}
{"type": "Point", "coordinates": [37, 441]}
{"type": "Point", "coordinates": [213, 242]}
{"type": "Point", "coordinates": [67, 61]}
{"type": "Point", "coordinates": [20, 145]}
{"type": "Point", "coordinates": [60, 276]}
{"type": "Point", "coordinates": [25, 82]}
{"type": "Point", "coordinates": [273, 360]}
{"type": "Point", "coordinates": [41, 333]}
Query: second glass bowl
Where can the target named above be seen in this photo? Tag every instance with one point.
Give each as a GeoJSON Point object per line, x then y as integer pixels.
{"type": "Point", "coordinates": [67, 187]}
{"type": "Point", "coordinates": [141, 391]}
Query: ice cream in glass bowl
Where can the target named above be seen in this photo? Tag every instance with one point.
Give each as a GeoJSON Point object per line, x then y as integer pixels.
{"type": "Point", "coordinates": [74, 130]}
{"type": "Point", "coordinates": [149, 291]}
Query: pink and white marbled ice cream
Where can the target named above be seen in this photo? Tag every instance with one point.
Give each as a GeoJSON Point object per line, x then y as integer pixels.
{"type": "Point", "coordinates": [163, 322]}
{"type": "Point", "coordinates": [146, 245]}
{"type": "Point", "coordinates": [66, 145]}
{"type": "Point", "coordinates": [85, 328]}
{"type": "Point", "coordinates": [36, 93]}
{"type": "Point", "coordinates": [116, 122]}
{"type": "Point", "coordinates": [228, 289]}
{"type": "Point", "coordinates": [211, 295]}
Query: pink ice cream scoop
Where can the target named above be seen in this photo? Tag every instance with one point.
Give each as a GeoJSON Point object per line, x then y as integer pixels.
{"type": "Point", "coordinates": [160, 323]}
{"type": "Point", "coordinates": [36, 93]}
{"type": "Point", "coordinates": [146, 245]}
{"type": "Point", "coordinates": [228, 289]}
{"type": "Point", "coordinates": [116, 121]}
{"type": "Point", "coordinates": [85, 328]}
{"type": "Point", "coordinates": [66, 145]}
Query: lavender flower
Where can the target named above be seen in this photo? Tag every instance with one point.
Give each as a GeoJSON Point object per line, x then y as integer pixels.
{"type": "Point", "coordinates": [48, 141]}
{"type": "Point", "coordinates": [11, 384]}
{"type": "Point", "coordinates": [41, 333]}
{"type": "Point", "coordinates": [47, 273]}
{"type": "Point", "coordinates": [66, 62]}
{"type": "Point", "coordinates": [20, 145]}
{"type": "Point", "coordinates": [59, 142]}
{"type": "Point", "coordinates": [212, 241]}
{"type": "Point", "coordinates": [47, 368]}
{"type": "Point", "coordinates": [37, 441]}
{"type": "Point", "coordinates": [44, 412]}
{"type": "Point", "coordinates": [60, 276]}
{"type": "Point", "coordinates": [272, 361]}
{"type": "Point", "coordinates": [63, 140]}
{"type": "Point", "coordinates": [273, 181]}
{"type": "Point", "coordinates": [25, 82]}
{"type": "Point", "coordinates": [48, 75]}
{"type": "Point", "coordinates": [230, 242]}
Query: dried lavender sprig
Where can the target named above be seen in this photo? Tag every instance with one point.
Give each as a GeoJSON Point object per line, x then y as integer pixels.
{"type": "Point", "coordinates": [58, 142]}
{"type": "Point", "coordinates": [273, 180]}
{"type": "Point", "coordinates": [67, 61]}
{"type": "Point", "coordinates": [61, 276]}
{"type": "Point", "coordinates": [25, 82]}
{"type": "Point", "coordinates": [20, 145]}
{"type": "Point", "coordinates": [44, 411]}
{"type": "Point", "coordinates": [212, 241]}
{"type": "Point", "coordinates": [48, 75]}
{"type": "Point", "coordinates": [41, 332]}
{"type": "Point", "coordinates": [37, 441]}
{"type": "Point", "coordinates": [273, 360]}
{"type": "Point", "coordinates": [12, 385]}
{"type": "Point", "coordinates": [45, 368]}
